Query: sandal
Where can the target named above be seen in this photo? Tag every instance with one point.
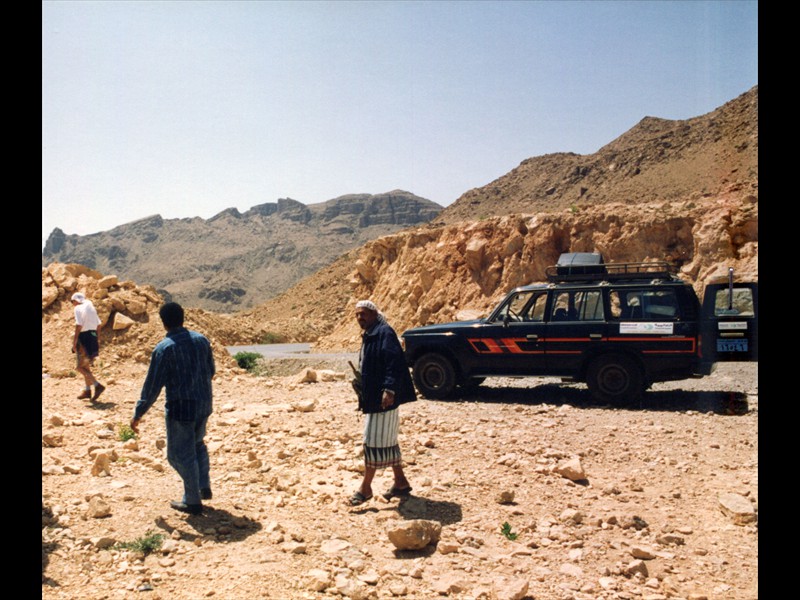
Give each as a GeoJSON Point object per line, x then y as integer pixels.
{"type": "Point", "coordinates": [358, 499]}
{"type": "Point", "coordinates": [397, 492]}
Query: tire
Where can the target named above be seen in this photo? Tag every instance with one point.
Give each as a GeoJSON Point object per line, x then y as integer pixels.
{"type": "Point", "coordinates": [434, 376]}
{"type": "Point", "coordinates": [615, 378]}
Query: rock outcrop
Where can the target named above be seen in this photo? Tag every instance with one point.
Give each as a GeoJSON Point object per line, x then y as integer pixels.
{"type": "Point", "coordinates": [130, 325]}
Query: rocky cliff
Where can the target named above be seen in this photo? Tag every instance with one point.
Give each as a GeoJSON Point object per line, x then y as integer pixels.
{"type": "Point", "coordinates": [433, 274]}
{"type": "Point", "coordinates": [236, 260]}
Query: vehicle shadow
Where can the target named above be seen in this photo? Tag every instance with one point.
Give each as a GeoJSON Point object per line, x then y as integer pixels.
{"type": "Point", "coordinates": [721, 402]}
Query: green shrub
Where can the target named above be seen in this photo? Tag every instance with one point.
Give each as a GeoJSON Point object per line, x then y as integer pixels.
{"type": "Point", "coordinates": [247, 360]}
{"type": "Point", "coordinates": [125, 432]}
{"type": "Point", "coordinates": [146, 544]}
{"type": "Point", "coordinates": [506, 531]}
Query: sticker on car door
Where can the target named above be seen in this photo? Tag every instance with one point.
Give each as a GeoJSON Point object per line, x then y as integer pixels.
{"type": "Point", "coordinates": [653, 327]}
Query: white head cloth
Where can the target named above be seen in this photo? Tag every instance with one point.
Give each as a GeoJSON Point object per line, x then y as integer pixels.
{"type": "Point", "coordinates": [370, 305]}
{"type": "Point", "coordinates": [78, 297]}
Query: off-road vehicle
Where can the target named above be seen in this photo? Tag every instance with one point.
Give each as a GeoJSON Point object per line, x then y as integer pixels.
{"type": "Point", "coordinates": [618, 327]}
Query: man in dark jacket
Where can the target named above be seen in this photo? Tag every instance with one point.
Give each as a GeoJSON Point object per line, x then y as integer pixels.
{"type": "Point", "coordinates": [183, 363]}
{"type": "Point", "coordinates": [385, 384]}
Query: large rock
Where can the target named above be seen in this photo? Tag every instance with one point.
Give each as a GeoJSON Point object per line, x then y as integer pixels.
{"type": "Point", "coordinates": [415, 534]}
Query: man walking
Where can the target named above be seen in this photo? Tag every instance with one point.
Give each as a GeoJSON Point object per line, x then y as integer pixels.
{"type": "Point", "coordinates": [184, 364]}
{"type": "Point", "coordinates": [86, 344]}
{"type": "Point", "coordinates": [386, 384]}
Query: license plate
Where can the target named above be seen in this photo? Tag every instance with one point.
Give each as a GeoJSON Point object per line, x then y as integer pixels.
{"type": "Point", "coordinates": [731, 345]}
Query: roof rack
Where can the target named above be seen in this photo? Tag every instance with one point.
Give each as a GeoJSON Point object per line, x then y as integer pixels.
{"type": "Point", "coordinates": [611, 271]}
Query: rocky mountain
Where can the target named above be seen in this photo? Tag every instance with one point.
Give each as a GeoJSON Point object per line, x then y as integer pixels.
{"type": "Point", "coordinates": [696, 205]}
{"type": "Point", "coordinates": [657, 160]}
{"type": "Point", "coordinates": [237, 260]}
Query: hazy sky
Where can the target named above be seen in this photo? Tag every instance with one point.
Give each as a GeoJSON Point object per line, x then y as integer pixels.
{"type": "Point", "coordinates": [184, 108]}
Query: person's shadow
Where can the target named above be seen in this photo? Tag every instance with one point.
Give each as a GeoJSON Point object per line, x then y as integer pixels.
{"type": "Point", "coordinates": [229, 527]}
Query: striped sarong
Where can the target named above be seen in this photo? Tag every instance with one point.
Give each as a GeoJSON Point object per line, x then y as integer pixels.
{"type": "Point", "coordinates": [380, 439]}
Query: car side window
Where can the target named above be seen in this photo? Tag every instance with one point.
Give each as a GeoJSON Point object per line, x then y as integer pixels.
{"type": "Point", "coordinates": [580, 305]}
{"type": "Point", "coordinates": [643, 304]}
{"type": "Point", "coordinates": [589, 306]}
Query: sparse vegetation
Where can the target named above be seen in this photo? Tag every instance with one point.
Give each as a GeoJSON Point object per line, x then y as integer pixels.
{"type": "Point", "coordinates": [125, 432]}
{"type": "Point", "coordinates": [247, 360]}
{"type": "Point", "coordinates": [149, 542]}
{"type": "Point", "coordinates": [505, 529]}
{"type": "Point", "coordinates": [271, 338]}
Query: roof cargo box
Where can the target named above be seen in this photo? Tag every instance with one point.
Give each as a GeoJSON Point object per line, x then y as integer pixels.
{"type": "Point", "coordinates": [580, 263]}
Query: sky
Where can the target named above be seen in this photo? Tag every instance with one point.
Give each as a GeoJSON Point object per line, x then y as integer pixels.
{"type": "Point", "coordinates": [187, 108]}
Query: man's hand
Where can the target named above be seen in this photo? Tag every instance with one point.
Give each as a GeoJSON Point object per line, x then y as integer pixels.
{"type": "Point", "coordinates": [135, 425]}
{"type": "Point", "coordinates": [387, 399]}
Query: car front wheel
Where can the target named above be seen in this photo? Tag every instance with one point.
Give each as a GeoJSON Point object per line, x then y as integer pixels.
{"type": "Point", "coordinates": [434, 376]}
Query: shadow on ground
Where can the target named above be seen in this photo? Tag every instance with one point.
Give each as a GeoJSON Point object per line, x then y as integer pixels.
{"type": "Point", "coordinates": [720, 402]}
{"type": "Point", "coordinates": [228, 527]}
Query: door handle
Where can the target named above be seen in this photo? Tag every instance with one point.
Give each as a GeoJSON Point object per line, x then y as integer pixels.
{"type": "Point", "coordinates": [596, 336]}
{"type": "Point", "coordinates": [532, 336]}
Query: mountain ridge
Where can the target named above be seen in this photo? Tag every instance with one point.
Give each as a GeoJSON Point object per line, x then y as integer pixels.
{"type": "Point", "coordinates": [657, 159]}
{"type": "Point", "coordinates": [234, 259]}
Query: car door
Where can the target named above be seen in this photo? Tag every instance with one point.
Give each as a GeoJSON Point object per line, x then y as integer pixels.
{"type": "Point", "coordinates": [576, 325]}
{"type": "Point", "coordinates": [730, 322]}
{"type": "Point", "coordinates": [510, 342]}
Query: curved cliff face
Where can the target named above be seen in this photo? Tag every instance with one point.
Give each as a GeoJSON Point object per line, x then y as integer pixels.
{"type": "Point", "coordinates": [436, 274]}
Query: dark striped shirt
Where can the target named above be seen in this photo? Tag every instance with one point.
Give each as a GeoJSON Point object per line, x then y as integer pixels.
{"type": "Point", "coordinates": [183, 364]}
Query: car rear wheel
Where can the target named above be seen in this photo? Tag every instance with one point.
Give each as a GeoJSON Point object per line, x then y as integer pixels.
{"type": "Point", "coordinates": [615, 378]}
{"type": "Point", "coordinates": [434, 376]}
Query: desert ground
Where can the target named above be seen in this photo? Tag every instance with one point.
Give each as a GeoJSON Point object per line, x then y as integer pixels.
{"type": "Point", "coordinates": [533, 491]}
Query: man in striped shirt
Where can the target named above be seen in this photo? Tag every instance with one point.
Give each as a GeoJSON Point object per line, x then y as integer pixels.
{"type": "Point", "coordinates": [183, 364]}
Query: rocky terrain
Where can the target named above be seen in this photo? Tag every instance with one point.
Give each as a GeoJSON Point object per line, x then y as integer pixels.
{"type": "Point", "coordinates": [237, 260]}
{"type": "Point", "coordinates": [441, 273]}
{"type": "Point", "coordinates": [523, 490]}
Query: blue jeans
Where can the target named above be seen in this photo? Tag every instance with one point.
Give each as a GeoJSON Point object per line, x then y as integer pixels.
{"type": "Point", "coordinates": [188, 455]}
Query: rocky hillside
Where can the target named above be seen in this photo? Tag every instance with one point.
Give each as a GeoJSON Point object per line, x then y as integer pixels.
{"type": "Point", "coordinates": [681, 191]}
{"type": "Point", "coordinates": [440, 273]}
{"type": "Point", "coordinates": [236, 260]}
{"type": "Point", "coordinates": [658, 160]}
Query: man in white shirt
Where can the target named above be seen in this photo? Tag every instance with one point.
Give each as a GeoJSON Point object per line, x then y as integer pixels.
{"type": "Point", "coordinates": [86, 344]}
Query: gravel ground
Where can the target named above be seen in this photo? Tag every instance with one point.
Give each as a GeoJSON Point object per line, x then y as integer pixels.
{"type": "Point", "coordinates": [645, 523]}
